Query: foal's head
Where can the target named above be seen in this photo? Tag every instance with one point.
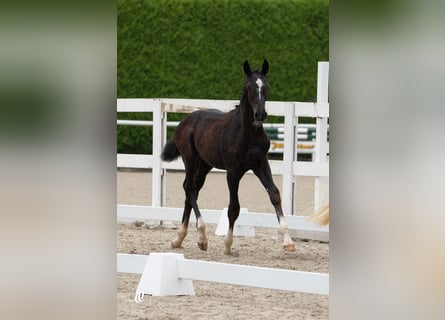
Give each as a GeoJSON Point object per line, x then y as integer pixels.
{"type": "Point", "coordinates": [257, 87]}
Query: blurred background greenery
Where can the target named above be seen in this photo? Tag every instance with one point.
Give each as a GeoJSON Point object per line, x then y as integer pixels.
{"type": "Point", "coordinates": [195, 49]}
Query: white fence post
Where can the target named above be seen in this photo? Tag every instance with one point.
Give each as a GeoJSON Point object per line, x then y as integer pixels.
{"type": "Point", "coordinates": [158, 183]}
{"type": "Point", "coordinates": [163, 142]}
{"type": "Point", "coordinates": [288, 159]}
{"type": "Point", "coordinates": [321, 191]}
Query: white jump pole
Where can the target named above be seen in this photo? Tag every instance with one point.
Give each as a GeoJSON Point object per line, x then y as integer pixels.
{"type": "Point", "coordinates": [170, 274]}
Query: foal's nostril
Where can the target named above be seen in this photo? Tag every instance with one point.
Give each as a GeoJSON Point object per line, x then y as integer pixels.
{"type": "Point", "coordinates": [260, 115]}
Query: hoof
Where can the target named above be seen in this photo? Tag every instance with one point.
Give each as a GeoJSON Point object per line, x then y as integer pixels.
{"type": "Point", "coordinates": [203, 245]}
{"type": "Point", "coordinates": [175, 245]}
{"type": "Point", "coordinates": [231, 253]}
{"type": "Point", "coordinates": [289, 247]}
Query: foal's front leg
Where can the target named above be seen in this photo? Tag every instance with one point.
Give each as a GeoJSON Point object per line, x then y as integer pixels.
{"type": "Point", "coordinates": [233, 210]}
{"type": "Point", "coordinates": [265, 175]}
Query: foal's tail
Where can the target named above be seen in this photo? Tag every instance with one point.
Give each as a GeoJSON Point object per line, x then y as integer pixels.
{"type": "Point", "coordinates": [170, 151]}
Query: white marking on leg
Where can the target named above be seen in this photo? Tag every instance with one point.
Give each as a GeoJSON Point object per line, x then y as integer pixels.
{"type": "Point", "coordinates": [181, 235]}
{"type": "Point", "coordinates": [228, 240]}
{"type": "Point", "coordinates": [202, 239]}
{"type": "Point", "coordinates": [287, 240]}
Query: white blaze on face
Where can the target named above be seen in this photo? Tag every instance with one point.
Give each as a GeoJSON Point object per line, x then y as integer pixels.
{"type": "Point", "coordinates": [260, 84]}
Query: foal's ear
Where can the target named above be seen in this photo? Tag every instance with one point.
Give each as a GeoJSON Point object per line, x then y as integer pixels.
{"type": "Point", "coordinates": [247, 69]}
{"type": "Point", "coordinates": [265, 67]}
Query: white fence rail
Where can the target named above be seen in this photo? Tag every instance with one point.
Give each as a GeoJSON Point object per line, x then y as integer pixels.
{"type": "Point", "coordinates": [299, 226]}
{"type": "Point", "coordinates": [288, 168]}
{"type": "Point", "coordinates": [274, 130]}
{"type": "Point", "coordinates": [260, 277]}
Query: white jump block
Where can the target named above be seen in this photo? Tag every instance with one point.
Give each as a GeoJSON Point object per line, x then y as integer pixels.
{"type": "Point", "coordinates": [160, 277]}
{"type": "Point", "coordinates": [238, 231]}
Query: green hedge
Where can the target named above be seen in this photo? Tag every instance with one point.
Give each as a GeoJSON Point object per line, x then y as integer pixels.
{"type": "Point", "coordinates": [195, 49]}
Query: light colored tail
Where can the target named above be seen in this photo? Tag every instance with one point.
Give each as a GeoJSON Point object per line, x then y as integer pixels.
{"type": "Point", "coordinates": [321, 217]}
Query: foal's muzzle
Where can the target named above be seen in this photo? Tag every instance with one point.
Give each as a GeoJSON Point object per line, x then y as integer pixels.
{"type": "Point", "coordinates": [260, 116]}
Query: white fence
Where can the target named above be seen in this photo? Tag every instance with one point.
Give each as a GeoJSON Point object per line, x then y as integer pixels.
{"type": "Point", "coordinates": [288, 167]}
{"type": "Point", "coordinates": [173, 268]}
{"type": "Point", "coordinates": [274, 130]}
{"type": "Point", "coordinates": [299, 226]}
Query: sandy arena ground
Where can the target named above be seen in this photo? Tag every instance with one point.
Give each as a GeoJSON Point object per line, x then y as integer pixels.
{"type": "Point", "coordinates": [212, 300]}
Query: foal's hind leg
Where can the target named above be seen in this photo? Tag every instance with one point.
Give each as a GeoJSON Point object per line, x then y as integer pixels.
{"type": "Point", "coordinates": [187, 185]}
{"type": "Point", "coordinates": [185, 221]}
{"type": "Point", "coordinates": [264, 174]}
{"type": "Point", "coordinates": [200, 176]}
{"type": "Point", "coordinates": [195, 177]}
